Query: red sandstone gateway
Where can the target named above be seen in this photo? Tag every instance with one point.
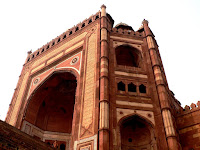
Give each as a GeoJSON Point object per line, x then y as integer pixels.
{"type": "Point", "coordinates": [98, 87]}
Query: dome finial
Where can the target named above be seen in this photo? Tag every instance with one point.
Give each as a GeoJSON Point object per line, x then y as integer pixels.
{"type": "Point", "coordinates": [103, 6]}
{"type": "Point", "coordinates": [103, 10]}
{"type": "Point", "coordinates": [145, 21]}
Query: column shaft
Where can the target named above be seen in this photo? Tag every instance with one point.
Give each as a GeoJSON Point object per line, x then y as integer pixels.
{"type": "Point", "coordinates": [161, 89]}
{"type": "Point", "coordinates": [104, 85]}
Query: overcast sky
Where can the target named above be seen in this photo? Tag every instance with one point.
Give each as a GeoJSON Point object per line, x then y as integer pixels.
{"type": "Point", "coordinates": [29, 24]}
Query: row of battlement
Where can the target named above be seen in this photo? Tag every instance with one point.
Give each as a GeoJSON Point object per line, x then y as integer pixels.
{"type": "Point", "coordinates": [126, 32]}
{"type": "Point", "coordinates": [62, 37]}
{"type": "Point", "coordinates": [191, 108]}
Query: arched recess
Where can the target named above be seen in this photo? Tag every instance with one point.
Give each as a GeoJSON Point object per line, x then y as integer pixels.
{"type": "Point", "coordinates": [49, 111]}
{"type": "Point", "coordinates": [136, 133]}
{"type": "Point", "coordinates": [127, 55]}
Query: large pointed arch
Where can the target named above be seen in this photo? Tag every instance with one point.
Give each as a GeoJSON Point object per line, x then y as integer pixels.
{"type": "Point", "coordinates": [50, 108]}
{"type": "Point", "coordinates": [150, 122]}
{"type": "Point", "coordinates": [136, 132]}
{"type": "Point", "coordinates": [48, 75]}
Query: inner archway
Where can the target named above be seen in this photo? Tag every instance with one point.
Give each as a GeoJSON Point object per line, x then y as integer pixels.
{"type": "Point", "coordinates": [128, 56]}
{"type": "Point", "coordinates": [51, 107]}
{"type": "Point", "coordinates": [136, 134]}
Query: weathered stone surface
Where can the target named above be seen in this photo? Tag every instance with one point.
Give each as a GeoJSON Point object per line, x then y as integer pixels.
{"type": "Point", "coordinates": [12, 138]}
{"type": "Point", "coordinates": [69, 94]}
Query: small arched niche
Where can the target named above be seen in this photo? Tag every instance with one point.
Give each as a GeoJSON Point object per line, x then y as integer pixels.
{"type": "Point", "coordinates": [142, 88]}
{"type": "Point", "coordinates": [131, 87]}
{"type": "Point", "coordinates": [121, 86]}
{"type": "Point", "coordinates": [136, 134]}
{"type": "Point", "coordinates": [128, 56]}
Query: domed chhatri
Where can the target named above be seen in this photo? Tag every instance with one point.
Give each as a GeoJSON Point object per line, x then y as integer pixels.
{"type": "Point", "coordinates": [123, 26]}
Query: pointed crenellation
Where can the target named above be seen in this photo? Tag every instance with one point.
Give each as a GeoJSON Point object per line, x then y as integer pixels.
{"type": "Point", "coordinates": [29, 52]}
{"type": "Point", "coordinates": [191, 108]}
{"type": "Point", "coordinates": [62, 37]}
{"type": "Point", "coordinates": [187, 108]}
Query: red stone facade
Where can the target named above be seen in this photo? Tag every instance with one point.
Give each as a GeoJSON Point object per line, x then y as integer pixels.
{"type": "Point", "coordinates": [102, 87]}
{"type": "Point", "coordinates": [11, 139]}
{"type": "Point", "coordinates": [188, 126]}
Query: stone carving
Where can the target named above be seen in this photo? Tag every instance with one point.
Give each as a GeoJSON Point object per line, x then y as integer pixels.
{"type": "Point", "coordinates": [187, 108]}
{"type": "Point", "coordinates": [89, 94]}
{"type": "Point", "coordinates": [193, 106]}
{"type": "Point", "coordinates": [36, 81]}
{"type": "Point", "coordinates": [74, 60]}
{"type": "Point", "coordinates": [85, 148]}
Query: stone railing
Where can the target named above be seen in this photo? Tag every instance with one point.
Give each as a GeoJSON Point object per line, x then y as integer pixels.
{"type": "Point", "coordinates": [126, 32]}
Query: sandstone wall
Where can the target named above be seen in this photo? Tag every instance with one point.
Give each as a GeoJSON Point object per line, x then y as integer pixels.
{"type": "Point", "coordinates": [188, 126]}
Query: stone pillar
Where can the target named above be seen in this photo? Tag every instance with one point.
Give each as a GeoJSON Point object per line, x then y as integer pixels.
{"type": "Point", "coordinates": [161, 89]}
{"type": "Point", "coordinates": [104, 87]}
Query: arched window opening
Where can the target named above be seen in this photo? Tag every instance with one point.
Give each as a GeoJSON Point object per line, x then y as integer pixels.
{"type": "Point", "coordinates": [28, 60]}
{"type": "Point", "coordinates": [62, 147]}
{"type": "Point", "coordinates": [97, 17]}
{"type": "Point", "coordinates": [58, 40]}
{"type": "Point", "coordinates": [53, 43]}
{"type": "Point", "coordinates": [70, 32]}
{"type": "Point", "coordinates": [64, 36]}
{"type": "Point", "coordinates": [42, 50]}
{"type": "Point", "coordinates": [90, 21]}
{"type": "Point", "coordinates": [83, 25]}
{"type": "Point", "coordinates": [48, 47]}
{"type": "Point", "coordinates": [121, 86]}
{"type": "Point", "coordinates": [33, 56]}
{"type": "Point", "coordinates": [136, 133]}
{"type": "Point", "coordinates": [38, 53]}
{"type": "Point", "coordinates": [131, 87]}
{"type": "Point", "coordinates": [77, 29]}
{"type": "Point", "coordinates": [142, 88]}
{"type": "Point", "coordinates": [128, 56]}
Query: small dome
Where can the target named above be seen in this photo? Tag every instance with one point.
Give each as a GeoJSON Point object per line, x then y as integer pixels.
{"type": "Point", "coordinates": [123, 26]}
{"type": "Point", "coordinates": [141, 29]}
